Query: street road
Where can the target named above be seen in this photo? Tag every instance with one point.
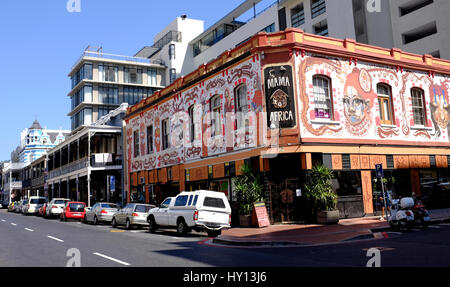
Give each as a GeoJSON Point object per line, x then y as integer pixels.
{"type": "Point", "coordinates": [29, 241]}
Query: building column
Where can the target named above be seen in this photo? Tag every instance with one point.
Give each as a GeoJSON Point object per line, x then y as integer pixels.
{"type": "Point", "coordinates": [68, 188]}
{"type": "Point", "coordinates": [366, 181]}
{"type": "Point", "coordinates": [78, 192]}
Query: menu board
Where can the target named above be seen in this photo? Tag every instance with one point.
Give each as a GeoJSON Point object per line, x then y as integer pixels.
{"type": "Point", "coordinates": [260, 217]}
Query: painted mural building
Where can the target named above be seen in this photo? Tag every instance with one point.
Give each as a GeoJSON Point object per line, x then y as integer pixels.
{"type": "Point", "coordinates": [285, 101]}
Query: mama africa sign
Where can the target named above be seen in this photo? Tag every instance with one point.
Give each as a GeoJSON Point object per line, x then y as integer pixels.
{"type": "Point", "coordinates": [279, 96]}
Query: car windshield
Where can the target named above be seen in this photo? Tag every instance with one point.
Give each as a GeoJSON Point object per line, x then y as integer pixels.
{"type": "Point", "coordinates": [214, 202]}
{"type": "Point", "coordinates": [37, 201]}
{"type": "Point", "coordinates": [142, 208]}
{"type": "Point", "coordinates": [60, 201]}
{"type": "Point", "coordinates": [76, 207]}
{"type": "Point", "coordinates": [109, 205]}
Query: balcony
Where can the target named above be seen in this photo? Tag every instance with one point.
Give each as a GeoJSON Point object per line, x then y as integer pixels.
{"type": "Point", "coordinates": [105, 56]}
{"type": "Point", "coordinates": [166, 39]}
{"type": "Point", "coordinates": [69, 168]}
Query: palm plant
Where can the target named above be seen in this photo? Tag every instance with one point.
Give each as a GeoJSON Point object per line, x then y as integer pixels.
{"type": "Point", "coordinates": [248, 189]}
{"type": "Point", "coordinates": [319, 190]}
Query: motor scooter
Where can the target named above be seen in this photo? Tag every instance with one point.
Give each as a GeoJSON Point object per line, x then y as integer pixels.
{"type": "Point", "coordinates": [401, 214]}
{"type": "Point", "coordinates": [421, 215]}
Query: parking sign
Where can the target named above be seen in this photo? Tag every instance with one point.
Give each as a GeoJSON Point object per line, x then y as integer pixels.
{"type": "Point", "coordinates": [379, 170]}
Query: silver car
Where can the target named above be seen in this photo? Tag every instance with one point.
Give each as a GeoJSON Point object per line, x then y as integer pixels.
{"type": "Point", "coordinates": [132, 214]}
{"type": "Point", "coordinates": [101, 212]}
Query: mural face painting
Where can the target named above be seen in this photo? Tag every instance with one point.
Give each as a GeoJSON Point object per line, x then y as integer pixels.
{"type": "Point", "coordinates": [357, 110]}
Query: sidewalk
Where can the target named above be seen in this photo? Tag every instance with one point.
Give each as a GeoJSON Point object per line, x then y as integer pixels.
{"type": "Point", "coordinates": [314, 234]}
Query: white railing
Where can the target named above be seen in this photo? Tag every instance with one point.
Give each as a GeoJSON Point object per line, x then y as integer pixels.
{"type": "Point", "coordinates": [101, 55]}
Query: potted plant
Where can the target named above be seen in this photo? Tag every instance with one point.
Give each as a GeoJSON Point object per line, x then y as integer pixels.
{"type": "Point", "coordinates": [248, 190]}
{"type": "Point", "coordinates": [321, 195]}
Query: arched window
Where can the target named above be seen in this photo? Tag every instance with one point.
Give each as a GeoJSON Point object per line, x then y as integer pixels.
{"type": "Point", "coordinates": [418, 107]}
{"type": "Point", "coordinates": [385, 104]}
{"type": "Point", "coordinates": [323, 106]}
{"type": "Point", "coordinates": [241, 105]}
{"type": "Point", "coordinates": [216, 116]}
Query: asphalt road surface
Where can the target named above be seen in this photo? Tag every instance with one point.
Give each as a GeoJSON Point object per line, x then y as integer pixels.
{"type": "Point", "coordinates": [30, 241]}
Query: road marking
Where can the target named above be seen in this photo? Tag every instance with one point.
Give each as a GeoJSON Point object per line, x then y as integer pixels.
{"type": "Point", "coordinates": [31, 230]}
{"type": "Point", "coordinates": [54, 238]}
{"type": "Point", "coordinates": [3, 220]}
{"type": "Point", "coordinates": [112, 259]}
{"type": "Point", "coordinates": [433, 226]}
{"type": "Point", "coordinates": [13, 224]}
{"type": "Point", "coordinates": [115, 231]}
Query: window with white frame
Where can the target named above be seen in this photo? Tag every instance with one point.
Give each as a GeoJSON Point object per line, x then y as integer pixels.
{"type": "Point", "coordinates": [216, 116]}
{"type": "Point", "coordinates": [323, 107]}
{"type": "Point", "coordinates": [418, 107]}
{"type": "Point", "coordinates": [136, 143]}
{"type": "Point", "coordinates": [150, 139]}
{"type": "Point", "coordinates": [191, 124]}
{"type": "Point", "coordinates": [241, 105]}
{"type": "Point", "coordinates": [165, 130]}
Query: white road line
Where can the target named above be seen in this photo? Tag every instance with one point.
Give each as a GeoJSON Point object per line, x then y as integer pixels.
{"type": "Point", "coordinates": [13, 224]}
{"type": "Point", "coordinates": [54, 238]}
{"type": "Point", "coordinates": [433, 226]}
{"type": "Point", "coordinates": [31, 230]}
{"type": "Point", "coordinates": [112, 259]}
{"type": "Point", "coordinates": [3, 220]}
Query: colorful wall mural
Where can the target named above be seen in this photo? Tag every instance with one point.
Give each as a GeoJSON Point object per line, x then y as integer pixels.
{"type": "Point", "coordinates": [357, 102]}
{"type": "Point", "coordinates": [182, 149]}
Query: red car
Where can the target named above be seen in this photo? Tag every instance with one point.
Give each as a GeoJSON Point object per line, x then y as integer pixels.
{"type": "Point", "coordinates": [41, 211]}
{"type": "Point", "coordinates": [73, 210]}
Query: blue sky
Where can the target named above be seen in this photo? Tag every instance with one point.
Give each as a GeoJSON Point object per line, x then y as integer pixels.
{"type": "Point", "coordinates": [40, 41]}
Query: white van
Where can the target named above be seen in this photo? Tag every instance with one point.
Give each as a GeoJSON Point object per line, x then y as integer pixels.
{"type": "Point", "coordinates": [33, 205]}
{"type": "Point", "coordinates": [201, 210]}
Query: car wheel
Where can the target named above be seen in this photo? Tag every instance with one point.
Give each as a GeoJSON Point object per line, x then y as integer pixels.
{"type": "Point", "coordinates": [152, 226]}
{"type": "Point", "coordinates": [128, 224]}
{"type": "Point", "coordinates": [181, 227]}
{"type": "Point", "coordinates": [95, 220]}
{"type": "Point", "coordinates": [114, 223]}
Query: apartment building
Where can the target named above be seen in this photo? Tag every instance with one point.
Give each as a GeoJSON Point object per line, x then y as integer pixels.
{"type": "Point", "coordinates": [101, 82]}
{"type": "Point", "coordinates": [421, 26]}
{"type": "Point", "coordinates": [417, 26]}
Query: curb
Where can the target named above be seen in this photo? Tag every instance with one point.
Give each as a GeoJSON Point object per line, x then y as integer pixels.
{"type": "Point", "coordinates": [375, 233]}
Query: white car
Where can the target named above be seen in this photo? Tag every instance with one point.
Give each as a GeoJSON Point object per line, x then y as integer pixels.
{"type": "Point", "coordinates": [33, 205]}
{"type": "Point", "coordinates": [55, 207]}
{"type": "Point", "coordinates": [201, 210]}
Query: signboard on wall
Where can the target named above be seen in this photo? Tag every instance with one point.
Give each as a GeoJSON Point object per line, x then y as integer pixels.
{"type": "Point", "coordinates": [279, 91]}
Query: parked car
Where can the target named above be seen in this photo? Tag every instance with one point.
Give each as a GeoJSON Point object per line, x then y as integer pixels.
{"type": "Point", "coordinates": [201, 210]}
{"type": "Point", "coordinates": [18, 207]}
{"type": "Point", "coordinates": [73, 210]}
{"type": "Point", "coordinates": [132, 214]}
{"type": "Point", "coordinates": [4, 204]}
{"type": "Point", "coordinates": [34, 203]}
{"type": "Point", "coordinates": [101, 212]}
{"type": "Point", "coordinates": [41, 211]}
{"type": "Point", "coordinates": [55, 207]}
